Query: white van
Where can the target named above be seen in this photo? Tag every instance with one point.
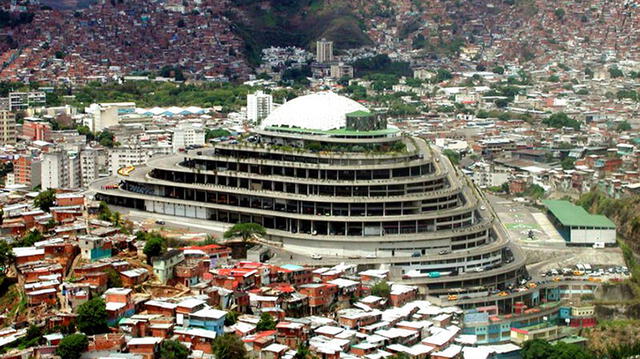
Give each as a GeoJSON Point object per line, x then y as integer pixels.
{"type": "Point", "coordinates": [598, 245]}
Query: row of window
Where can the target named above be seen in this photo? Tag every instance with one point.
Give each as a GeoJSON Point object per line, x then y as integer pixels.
{"type": "Point", "coordinates": [350, 209]}
{"type": "Point", "coordinates": [312, 159]}
{"type": "Point", "coordinates": [348, 189]}
{"type": "Point", "coordinates": [309, 173]}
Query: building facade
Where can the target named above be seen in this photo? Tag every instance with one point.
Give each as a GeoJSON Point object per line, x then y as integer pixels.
{"type": "Point", "coordinates": [27, 171]}
{"type": "Point", "coordinates": [329, 176]}
{"type": "Point", "coordinates": [55, 170]}
{"type": "Point", "coordinates": [579, 227]}
{"type": "Point", "coordinates": [259, 106]}
{"type": "Point", "coordinates": [7, 128]}
{"type": "Point", "coordinates": [341, 70]}
{"type": "Point", "coordinates": [324, 51]}
{"type": "Point", "coordinates": [187, 134]}
{"type": "Point", "coordinates": [36, 131]}
{"type": "Point", "coordinates": [134, 155]}
{"type": "Point", "coordinates": [89, 165]}
{"type": "Point", "coordinates": [20, 101]}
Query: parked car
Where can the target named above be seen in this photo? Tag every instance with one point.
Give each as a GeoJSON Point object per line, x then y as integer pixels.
{"type": "Point", "coordinates": [316, 256]}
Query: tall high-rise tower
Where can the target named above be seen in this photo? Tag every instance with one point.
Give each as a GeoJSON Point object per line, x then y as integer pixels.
{"type": "Point", "coordinates": [324, 51]}
{"type": "Point", "coordinates": [7, 128]}
{"type": "Point", "coordinates": [259, 106]}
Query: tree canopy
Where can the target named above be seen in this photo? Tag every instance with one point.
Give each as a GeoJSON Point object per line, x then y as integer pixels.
{"type": "Point", "coordinates": [72, 346]}
{"type": "Point", "coordinates": [245, 231]}
{"type": "Point", "coordinates": [266, 322]}
{"type": "Point", "coordinates": [45, 199]}
{"type": "Point", "coordinates": [229, 346]}
{"type": "Point", "coordinates": [29, 238]}
{"type": "Point", "coordinates": [231, 318]}
{"type": "Point", "coordinates": [623, 126]}
{"type": "Point", "coordinates": [165, 94]}
{"type": "Point", "coordinates": [173, 349]}
{"type": "Point", "coordinates": [381, 64]}
{"type": "Point", "coordinates": [303, 352]}
{"type": "Point", "coordinates": [381, 289]}
{"type": "Point", "coordinates": [6, 256]}
{"type": "Point", "coordinates": [542, 349]}
{"type": "Point", "coordinates": [155, 246]}
{"type": "Point", "coordinates": [113, 278]}
{"type": "Point", "coordinates": [560, 119]}
{"type": "Point", "coordinates": [214, 133]}
{"type": "Point", "coordinates": [615, 72]}
{"type": "Point", "coordinates": [452, 155]}
{"type": "Point", "coordinates": [106, 139]}
{"type": "Point", "coordinates": [92, 317]}
{"type": "Point", "coordinates": [534, 191]}
{"type": "Point", "coordinates": [568, 163]}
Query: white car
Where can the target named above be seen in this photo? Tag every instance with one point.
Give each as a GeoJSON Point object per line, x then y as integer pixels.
{"type": "Point", "coordinates": [371, 256]}
{"type": "Point", "coordinates": [316, 256]}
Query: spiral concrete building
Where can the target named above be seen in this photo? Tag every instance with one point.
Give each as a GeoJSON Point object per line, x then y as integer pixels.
{"type": "Point", "coordinates": [325, 175]}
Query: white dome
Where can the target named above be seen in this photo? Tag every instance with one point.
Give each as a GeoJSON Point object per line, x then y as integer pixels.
{"type": "Point", "coordinates": [319, 111]}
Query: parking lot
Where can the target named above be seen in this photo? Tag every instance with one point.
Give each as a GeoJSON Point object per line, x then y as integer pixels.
{"type": "Point", "coordinates": [544, 247]}
{"type": "Point", "coordinates": [599, 273]}
{"type": "Point", "coordinates": [526, 224]}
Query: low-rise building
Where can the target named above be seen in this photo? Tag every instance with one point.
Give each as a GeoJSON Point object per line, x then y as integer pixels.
{"type": "Point", "coordinates": [163, 266]}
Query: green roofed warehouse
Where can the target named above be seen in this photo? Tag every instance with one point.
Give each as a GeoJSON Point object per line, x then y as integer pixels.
{"type": "Point", "coordinates": [577, 226]}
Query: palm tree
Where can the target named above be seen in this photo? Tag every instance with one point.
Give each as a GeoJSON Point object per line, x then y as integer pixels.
{"type": "Point", "coordinates": [245, 230]}
{"type": "Point", "coordinates": [116, 219]}
{"type": "Point", "coordinates": [303, 352]}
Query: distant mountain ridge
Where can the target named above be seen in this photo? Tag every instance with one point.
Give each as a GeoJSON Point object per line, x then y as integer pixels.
{"type": "Point", "coordinates": [487, 31]}
{"type": "Point", "coordinates": [68, 4]}
{"type": "Point", "coordinates": [296, 23]}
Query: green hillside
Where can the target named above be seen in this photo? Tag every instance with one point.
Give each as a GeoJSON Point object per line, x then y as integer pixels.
{"type": "Point", "coordinates": [295, 23]}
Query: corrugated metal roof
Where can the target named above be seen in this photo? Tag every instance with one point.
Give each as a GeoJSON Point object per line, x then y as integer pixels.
{"type": "Point", "coordinates": [571, 215]}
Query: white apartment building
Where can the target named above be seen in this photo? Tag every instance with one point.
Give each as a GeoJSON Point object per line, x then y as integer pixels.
{"type": "Point", "coordinates": [75, 171]}
{"type": "Point", "coordinates": [88, 165]}
{"type": "Point", "coordinates": [487, 175]}
{"type": "Point", "coordinates": [105, 115]}
{"type": "Point", "coordinates": [55, 170]}
{"type": "Point", "coordinates": [187, 134]}
{"type": "Point", "coordinates": [324, 51]}
{"type": "Point", "coordinates": [341, 70]}
{"type": "Point", "coordinates": [259, 106]}
{"type": "Point", "coordinates": [134, 155]}
{"type": "Point", "coordinates": [7, 128]}
{"type": "Point", "coordinates": [19, 101]}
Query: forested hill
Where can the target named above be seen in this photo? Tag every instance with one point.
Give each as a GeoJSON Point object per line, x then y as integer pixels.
{"type": "Point", "coordinates": [296, 23]}
{"type": "Point", "coordinates": [624, 212]}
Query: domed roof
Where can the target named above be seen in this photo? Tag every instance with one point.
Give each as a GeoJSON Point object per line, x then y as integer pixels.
{"type": "Point", "coordinates": [318, 111]}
